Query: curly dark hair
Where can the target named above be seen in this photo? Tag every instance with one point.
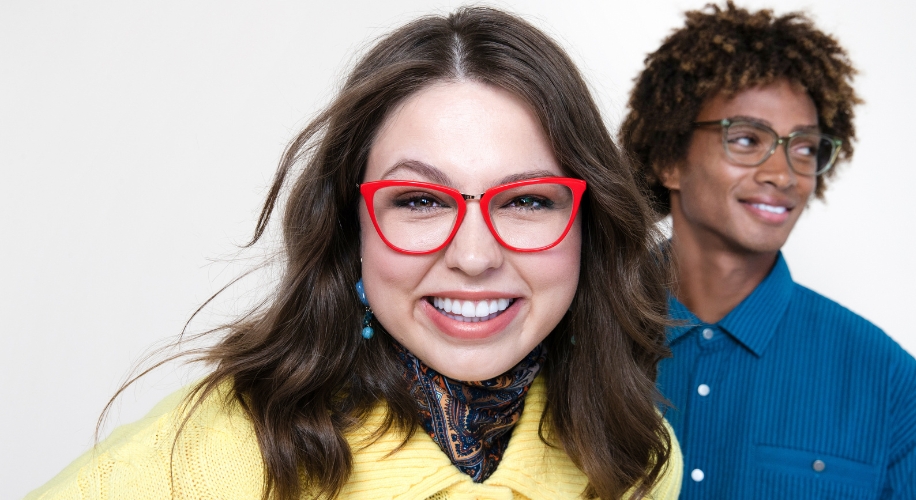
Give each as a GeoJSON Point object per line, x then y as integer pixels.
{"type": "Point", "coordinates": [727, 50]}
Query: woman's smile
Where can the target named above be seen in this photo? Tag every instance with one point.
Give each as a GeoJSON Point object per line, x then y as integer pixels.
{"type": "Point", "coordinates": [470, 311]}
{"type": "Point", "coordinates": [466, 324]}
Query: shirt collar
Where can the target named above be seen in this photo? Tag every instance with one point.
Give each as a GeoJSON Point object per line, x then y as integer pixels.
{"type": "Point", "coordinates": [752, 322]}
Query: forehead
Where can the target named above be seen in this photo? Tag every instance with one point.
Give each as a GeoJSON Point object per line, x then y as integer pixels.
{"type": "Point", "coordinates": [783, 105]}
{"type": "Point", "coordinates": [472, 133]}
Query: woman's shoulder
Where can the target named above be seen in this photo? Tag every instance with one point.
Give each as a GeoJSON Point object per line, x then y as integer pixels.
{"type": "Point", "coordinates": [669, 484]}
{"type": "Point", "coordinates": [178, 449]}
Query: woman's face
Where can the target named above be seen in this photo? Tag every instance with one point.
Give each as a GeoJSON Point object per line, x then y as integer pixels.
{"type": "Point", "coordinates": [471, 137]}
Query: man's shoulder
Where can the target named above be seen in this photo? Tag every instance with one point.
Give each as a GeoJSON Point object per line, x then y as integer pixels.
{"type": "Point", "coordinates": [811, 303]}
{"type": "Point", "coordinates": [831, 323]}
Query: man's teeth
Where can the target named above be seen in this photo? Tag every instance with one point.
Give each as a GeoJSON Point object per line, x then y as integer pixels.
{"type": "Point", "coordinates": [471, 310]}
{"type": "Point", "coordinates": [769, 208]}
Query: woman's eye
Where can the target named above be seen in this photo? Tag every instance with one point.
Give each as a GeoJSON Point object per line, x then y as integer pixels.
{"type": "Point", "coordinates": [419, 201]}
{"type": "Point", "coordinates": [530, 202]}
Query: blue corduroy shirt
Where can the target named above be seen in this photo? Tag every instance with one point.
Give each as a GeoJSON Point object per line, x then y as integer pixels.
{"type": "Point", "coordinates": [790, 396]}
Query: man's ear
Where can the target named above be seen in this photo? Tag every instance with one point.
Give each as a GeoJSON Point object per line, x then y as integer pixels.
{"type": "Point", "coordinates": [670, 176]}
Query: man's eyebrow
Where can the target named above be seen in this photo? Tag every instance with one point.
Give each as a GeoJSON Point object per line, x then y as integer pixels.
{"type": "Point", "coordinates": [753, 119]}
{"type": "Point", "coordinates": [813, 127]}
{"type": "Point", "coordinates": [424, 170]}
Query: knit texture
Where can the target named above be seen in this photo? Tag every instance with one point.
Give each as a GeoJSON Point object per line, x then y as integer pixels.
{"type": "Point", "coordinates": [217, 456]}
{"type": "Point", "coordinates": [790, 396]}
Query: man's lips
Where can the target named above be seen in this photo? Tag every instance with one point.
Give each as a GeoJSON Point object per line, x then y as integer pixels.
{"type": "Point", "coordinates": [773, 209]}
{"type": "Point", "coordinates": [769, 210]}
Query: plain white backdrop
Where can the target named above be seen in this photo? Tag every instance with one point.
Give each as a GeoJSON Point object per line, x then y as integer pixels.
{"type": "Point", "coordinates": [137, 140]}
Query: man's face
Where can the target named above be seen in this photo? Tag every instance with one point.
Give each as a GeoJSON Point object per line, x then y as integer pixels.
{"type": "Point", "coordinates": [723, 206]}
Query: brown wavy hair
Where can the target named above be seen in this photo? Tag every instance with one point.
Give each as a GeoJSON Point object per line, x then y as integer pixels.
{"type": "Point", "coordinates": [727, 50]}
{"type": "Point", "coordinates": [298, 364]}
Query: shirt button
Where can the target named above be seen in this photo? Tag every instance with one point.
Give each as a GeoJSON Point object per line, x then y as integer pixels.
{"type": "Point", "coordinates": [708, 333]}
{"type": "Point", "coordinates": [818, 466]}
{"type": "Point", "coordinates": [703, 390]}
{"type": "Point", "coordinates": [697, 475]}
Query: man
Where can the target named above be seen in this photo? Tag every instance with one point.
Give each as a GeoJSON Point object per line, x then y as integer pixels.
{"type": "Point", "coordinates": [775, 391]}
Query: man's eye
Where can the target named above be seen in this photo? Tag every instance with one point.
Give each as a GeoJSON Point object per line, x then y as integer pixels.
{"type": "Point", "coordinates": [744, 141]}
{"type": "Point", "coordinates": [805, 148]}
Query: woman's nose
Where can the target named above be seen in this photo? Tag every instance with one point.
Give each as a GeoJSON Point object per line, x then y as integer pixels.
{"type": "Point", "coordinates": [474, 249]}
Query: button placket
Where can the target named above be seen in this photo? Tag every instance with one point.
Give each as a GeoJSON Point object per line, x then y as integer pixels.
{"type": "Point", "coordinates": [714, 347]}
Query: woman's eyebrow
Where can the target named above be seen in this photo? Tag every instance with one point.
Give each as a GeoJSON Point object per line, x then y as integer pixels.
{"type": "Point", "coordinates": [437, 176]}
{"type": "Point", "coordinates": [523, 176]}
{"type": "Point", "coordinates": [424, 170]}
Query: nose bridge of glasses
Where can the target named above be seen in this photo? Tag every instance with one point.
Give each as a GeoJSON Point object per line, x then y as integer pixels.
{"type": "Point", "coordinates": [474, 246]}
{"type": "Point", "coordinates": [476, 218]}
{"type": "Point", "coordinates": [776, 168]}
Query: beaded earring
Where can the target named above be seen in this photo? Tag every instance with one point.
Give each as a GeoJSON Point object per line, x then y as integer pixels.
{"type": "Point", "coordinates": [367, 331]}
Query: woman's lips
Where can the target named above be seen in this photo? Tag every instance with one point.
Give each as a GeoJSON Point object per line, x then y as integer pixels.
{"type": "Point", "coordinates": [471, 319]}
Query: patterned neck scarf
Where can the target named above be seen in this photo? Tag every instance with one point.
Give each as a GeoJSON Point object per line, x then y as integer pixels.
{"type": "Point", "coordinates": [471, 421]}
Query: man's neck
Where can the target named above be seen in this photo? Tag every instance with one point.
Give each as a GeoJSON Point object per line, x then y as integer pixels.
{"type": "Point", "coordinates": [712, 282]}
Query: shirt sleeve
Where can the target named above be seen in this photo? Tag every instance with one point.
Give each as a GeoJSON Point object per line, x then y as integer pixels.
{"type": "Point", "coordinates": [128, 464]}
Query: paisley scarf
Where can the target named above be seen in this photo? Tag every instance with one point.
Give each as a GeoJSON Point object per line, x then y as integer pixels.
{"type": "Point", "coordinates": [471, 421]}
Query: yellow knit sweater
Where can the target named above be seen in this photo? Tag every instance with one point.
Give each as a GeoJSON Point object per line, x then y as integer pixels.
{"type": "Point", "coordinates": [217, 456]}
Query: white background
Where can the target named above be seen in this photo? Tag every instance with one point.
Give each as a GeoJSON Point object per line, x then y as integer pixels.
{"type": "Point", "coordinates": [137, 140]}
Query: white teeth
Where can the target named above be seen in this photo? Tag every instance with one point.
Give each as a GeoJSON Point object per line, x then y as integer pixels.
{"type": "Point", "coordinates": [469, 310]}
{"type": "Point", "coordinates": [769, 208]}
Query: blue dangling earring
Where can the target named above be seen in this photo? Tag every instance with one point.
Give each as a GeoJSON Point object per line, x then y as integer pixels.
{"type": "Point", "coordinates": [367, 332]}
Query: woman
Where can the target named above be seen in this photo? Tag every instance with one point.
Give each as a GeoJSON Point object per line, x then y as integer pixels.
{"type": "Point", "coordinates": [463, 215]}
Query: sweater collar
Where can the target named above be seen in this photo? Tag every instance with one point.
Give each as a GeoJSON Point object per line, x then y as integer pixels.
{"type": "Point", "coordinates": [530, 468]}
{"type": "Point", "coordinates": [470, 421]}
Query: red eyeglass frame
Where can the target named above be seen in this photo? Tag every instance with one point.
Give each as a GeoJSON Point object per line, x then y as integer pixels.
{"type": "Point", "coordinates": [368, 190]}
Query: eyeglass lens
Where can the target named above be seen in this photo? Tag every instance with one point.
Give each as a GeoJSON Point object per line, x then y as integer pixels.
{"type": "Point", "coordinates": [749, 143]}
{"type": "Point", "coordinates": [525, 217]}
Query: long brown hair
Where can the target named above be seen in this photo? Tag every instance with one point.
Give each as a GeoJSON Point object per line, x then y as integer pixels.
{"type": "Point", "coordinates": [298, 365]}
